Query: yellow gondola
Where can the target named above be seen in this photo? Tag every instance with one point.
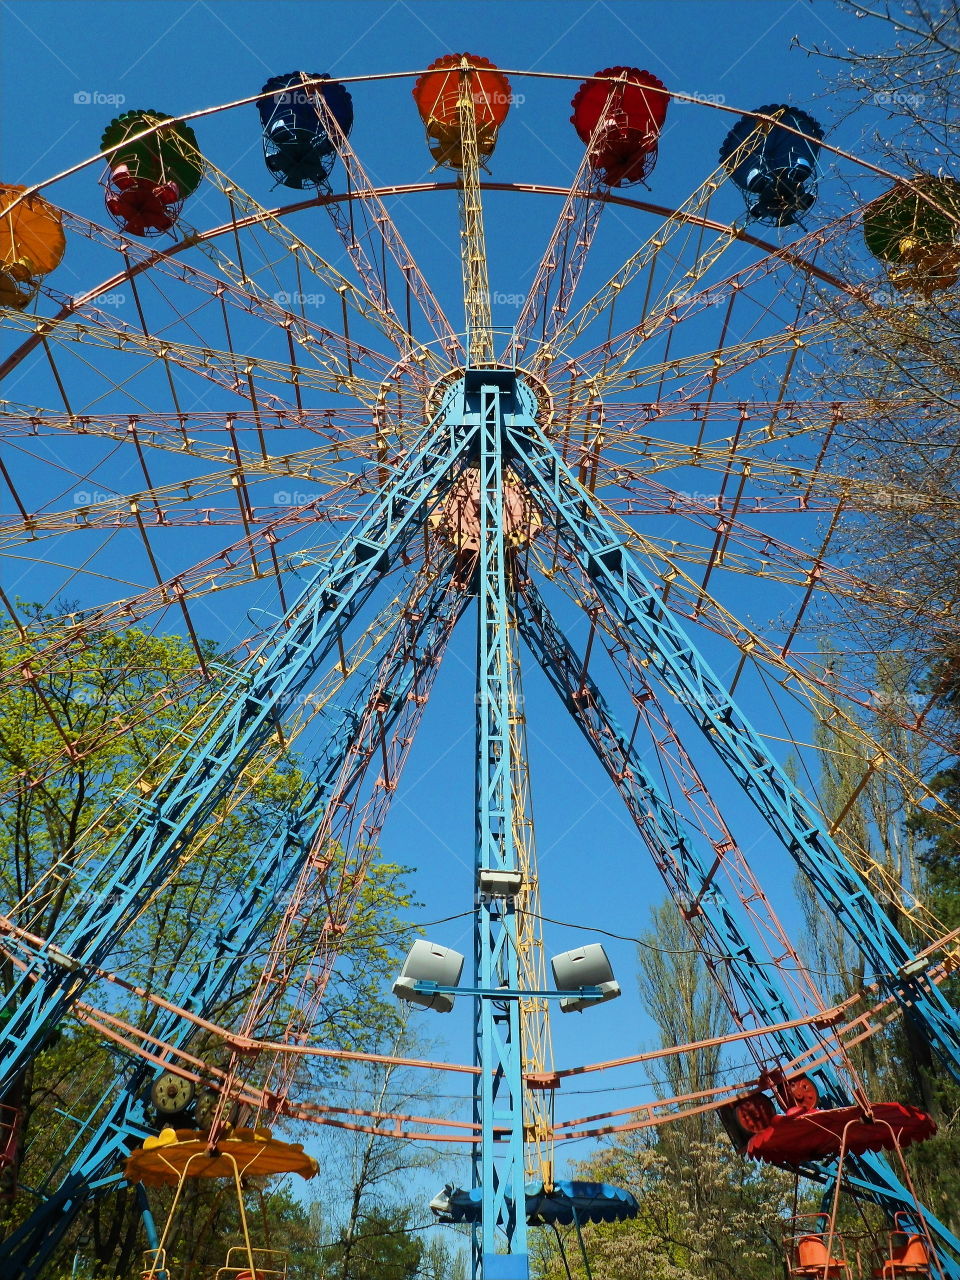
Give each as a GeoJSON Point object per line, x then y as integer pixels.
{"type": "Point", "coordinates": [177, 1155]}
{"type": "Point", "coordinates": [31, 244]}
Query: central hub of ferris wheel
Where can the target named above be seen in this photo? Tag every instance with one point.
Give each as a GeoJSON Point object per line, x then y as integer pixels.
{"type": "Point", "coordinates": [458, 517]}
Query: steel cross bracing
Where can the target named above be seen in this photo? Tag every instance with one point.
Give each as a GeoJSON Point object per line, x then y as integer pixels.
{"type": "Point", "coordinates": [664, 831]}
{"type": "Point", "coordinates": [334, 353]}
{"type": "Point", "coordinates": [117, 1120]}
{"type": "Point", "coordinates": [473, 248]}
{"type": "Point", "coordinates": [348, 824]}
{"type": "Point", "coordinates": [498, 1166]}
{"type": "Point", "coordinates": [570, 246]}
{"type": "Point", "coordinates": [656, 639]}
{"type": "Point", "coordinates": [684, 868]}
{"type": "Point", "coordinates": [606, 298]}
{"type": "Point", "coordinates": [363, 303]}
{"type": "Point", "coordinates": [487, 420]}
{"type": "Point", "coordinates": [535, 1042]}
{"type": "Point", "coordinates": [243, 721]}
{"type": "Point", "coordinates": [376, 287]}
{"type": "Point", "coordinates": [389, 235]}
{"type": "Point", "coordinates": [566, 253]}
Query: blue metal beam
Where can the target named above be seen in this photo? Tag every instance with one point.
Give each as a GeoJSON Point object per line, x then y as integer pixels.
{"type": "Point", "coordinates": [658, 640]}
{"type": "Point", "coordinates": [498, 1100]}
{"type": "Point", "coordinates": [117, 1121]}
{"type": "Point", "coordinates": [236, 729]}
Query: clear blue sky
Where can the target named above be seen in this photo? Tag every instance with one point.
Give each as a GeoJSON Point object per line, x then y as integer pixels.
{"type": "Point", "coordinates": [69, 67]}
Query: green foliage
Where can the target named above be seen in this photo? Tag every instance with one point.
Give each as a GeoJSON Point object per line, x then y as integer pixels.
{"type": "Point", "coordinates": [865, 807]}
{"type": "Point", "coordinates": [76, 728]}
{"type": "Point", "coordinates": [367, 1176]}
{"type": "Point", "coordinates": [939, 831]}
{"type": "Point", "coordinates": [382, 1248]}
{"type": "Point", "coordinates": [705, 1214]}
{"type": "Point", "coordinates": [209, 1227]}
{"type": "Point", "coordinates": [682, 1000]}
{"type": "Point", "coordinates": [938, 1161]}
{"type": "Point", "coordinates": [900, 363]}
{"type": "Point", "coordinates": [110, 718]}
{"type": "Point", "coordinates": [904, 854]}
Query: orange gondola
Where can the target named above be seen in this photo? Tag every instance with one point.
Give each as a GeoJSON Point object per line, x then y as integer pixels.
{"type": "Point", "coordinates": [437, 94]}
{"type": "Point", "coordinates": [32, 244]}
{"type": "Point", "coordinates": [176, 1156]}
{"type": "Point", "coordinates": [908, 1254]}
{"type": "Point", "coordinates": [810, 1254]}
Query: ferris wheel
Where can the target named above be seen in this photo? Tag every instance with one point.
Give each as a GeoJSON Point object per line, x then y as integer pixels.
{"type": "Point", "coordinates": [602, 484]}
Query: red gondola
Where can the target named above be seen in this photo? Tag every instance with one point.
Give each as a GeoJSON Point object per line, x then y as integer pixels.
{"type": "Point", "coordinates": [142, 206]}
{"type": "Point", "coordinates": [633, 107]}
{"type": "Point", "coordinates": [153, 165]}
{"type": "Point", "coordinates": [798, 1136]}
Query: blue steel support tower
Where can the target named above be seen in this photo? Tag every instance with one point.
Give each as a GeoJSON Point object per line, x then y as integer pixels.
{"type": "Point", "coordinates": [498, 1105]}
{"type": "Point", "coordinates": [487, 422]}
{"type": "Point", "coordinates": [384, 693]}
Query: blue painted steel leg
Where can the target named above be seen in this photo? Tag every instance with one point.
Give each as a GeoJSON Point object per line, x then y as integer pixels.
{"type": "Point", "coordinates": [498, 1104]}
{"type": "Point", "coordinates": [657, 639]}
{"type": "Point", "coordinates": [117, 1121]}
{"type": "Point", "coordinates": [149, 1225]}
{"type": "Point", "coordinates": [684, 870]}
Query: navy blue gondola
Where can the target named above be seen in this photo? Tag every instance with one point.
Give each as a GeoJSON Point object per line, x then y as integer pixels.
{"type": "Point", "coordinates": [777, 172]}
{"type": "Point", "coordinates": [565, 1202]}
{"type": "Point", "coordinates": [296, 146]}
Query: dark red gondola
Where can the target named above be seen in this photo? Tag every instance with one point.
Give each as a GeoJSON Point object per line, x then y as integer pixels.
{"type": "Point", "coordinates": [153, 165]}
{"type": "Point", "coordinates": [633, 106]}
{"type": "Point", "coordinates": [140, 206]}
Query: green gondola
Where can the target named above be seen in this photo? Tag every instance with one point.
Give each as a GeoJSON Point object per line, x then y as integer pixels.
{"type": "Point", "coordinates": [169, 155]}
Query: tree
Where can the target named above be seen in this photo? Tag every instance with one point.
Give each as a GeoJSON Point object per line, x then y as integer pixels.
{"type": "Point", "coordinates": [369, 1173]}
{"type": "Point", "coordinates": [912, 77]}
{"type": "Point", "coordinates": [939, 1160]}
{"type": "Point", "coordinates": [442, 1260]}
{"type": "Point", "coordinates": [941, 852]}
{"type": "Point", "coordinates": [882, 833]}
{"type": "Point", "coordinates": [683, 1000]}
{"type": "Point", "coordinates": [83, 727]}
{"type": "Point", "coordinates": [865, 805]}
{"type": "Point", "coordinates": [378, 1247]}
{"type": "Point", "coordinates": [704, 1215]}
{"type": "Point", "coordinates": [898, 359]}
{"type": "Point", "coordinates": [896, 350]}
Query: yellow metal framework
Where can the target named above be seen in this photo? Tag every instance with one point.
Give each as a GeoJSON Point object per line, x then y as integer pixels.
{"type": "Point", "coordinates": [473, 246]}
{"type": "Point", "coordinates": [535, 1042]}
